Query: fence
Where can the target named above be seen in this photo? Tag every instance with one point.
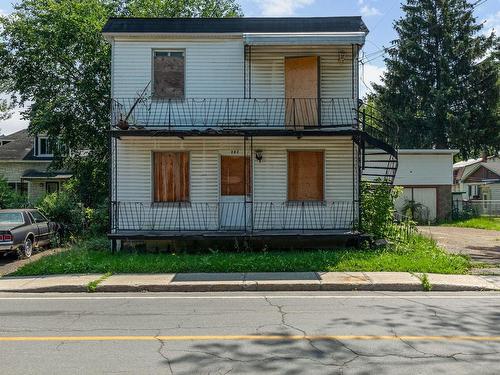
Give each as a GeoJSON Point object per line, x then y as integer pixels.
{"type": "Point", "coordinates": [472, 208]}
{"type": "Point", "coordinates": [233, 216]}
{"type": "Point", "coordinates": [234, 113]}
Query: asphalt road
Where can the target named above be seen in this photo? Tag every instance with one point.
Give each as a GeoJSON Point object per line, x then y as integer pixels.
{"type": "Point", "coordinates": [245, 333]}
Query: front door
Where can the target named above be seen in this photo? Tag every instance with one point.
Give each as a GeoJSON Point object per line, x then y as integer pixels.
{"type": "Point", "coordinates": [301, 91]}
{"type": "Point", "coordinates": [235, 193]}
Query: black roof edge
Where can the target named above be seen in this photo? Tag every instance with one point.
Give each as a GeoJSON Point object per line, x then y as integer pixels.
{"type": "Point", "coordinates": [234, 25]}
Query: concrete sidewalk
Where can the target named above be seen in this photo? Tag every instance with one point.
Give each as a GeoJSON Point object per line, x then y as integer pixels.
{"type": "Point", "coordinates": [278, 281]}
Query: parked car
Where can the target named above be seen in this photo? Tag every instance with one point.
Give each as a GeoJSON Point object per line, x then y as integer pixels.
{"type": "Point", "coordinates": [22, 230]}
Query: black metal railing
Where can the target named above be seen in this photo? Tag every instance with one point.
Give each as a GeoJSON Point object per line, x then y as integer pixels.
{"type": "Point", "coordinates": [233, 216]}
{"type": "Point", "coordinates": [234, 113]}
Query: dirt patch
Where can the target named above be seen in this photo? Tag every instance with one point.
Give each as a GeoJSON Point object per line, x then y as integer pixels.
{"type": "Point", "coordinates": [480, 244]}
{"type": "Point", "coordinates": [10, 263]}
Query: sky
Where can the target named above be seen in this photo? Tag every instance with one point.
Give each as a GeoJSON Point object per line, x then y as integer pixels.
{"type": "Point", "coordinates": [378, 15]}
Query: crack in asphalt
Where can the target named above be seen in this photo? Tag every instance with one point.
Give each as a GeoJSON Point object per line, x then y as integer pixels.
{"type": "Point", "coordinates": [162, 354]}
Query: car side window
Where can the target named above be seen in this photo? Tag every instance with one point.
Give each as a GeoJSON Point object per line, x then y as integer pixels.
{"type": "Point", "coordinates": [37, 217]}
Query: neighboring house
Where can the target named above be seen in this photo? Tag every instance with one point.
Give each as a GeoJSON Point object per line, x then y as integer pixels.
{"type": "Point", "coordinates": [478, 179]}
{"type": "Point", "coordinates": [239, 127]}
{"type": "Point", "coordinates": [24, 163]}
{"type": "Point", "coordinates": [427, 178]}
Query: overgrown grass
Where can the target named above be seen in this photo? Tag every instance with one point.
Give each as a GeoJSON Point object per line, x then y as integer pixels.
{"type": "Point", "coordinates": [484, 222]}
{"type": "Point", "coordinates": [420, 254]}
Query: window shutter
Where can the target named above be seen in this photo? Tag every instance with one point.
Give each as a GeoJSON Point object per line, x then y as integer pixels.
{"type": "Point", "coordinates": [171, 176]}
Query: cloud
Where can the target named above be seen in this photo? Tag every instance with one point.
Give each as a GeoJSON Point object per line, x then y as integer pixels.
{"type": "Point", "coordinates": [280, 8]}
{"type": "Point", "coordinates": [492, 24]}
{"type": "Point", "coordinates": [14, 123]}
{"type": "Point", "coordinates": [367, 10]}
{"type": "Point", "coordinates": [3, 13]}
{"type": "Point", "coordinates": [369, 75]}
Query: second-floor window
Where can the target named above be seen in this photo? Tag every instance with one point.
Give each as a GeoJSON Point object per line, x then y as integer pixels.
{"type": "Point", "coordinates": [168, 74]}
{"type": "Point", "coordinates": [44, 147]}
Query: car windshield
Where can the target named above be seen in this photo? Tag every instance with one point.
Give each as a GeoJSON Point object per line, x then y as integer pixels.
{"type": "Point", "coordinates": [11, 218]}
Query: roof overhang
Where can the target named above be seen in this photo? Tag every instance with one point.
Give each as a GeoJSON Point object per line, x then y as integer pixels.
{"type": "Point", "coordinates": [272, 39]}
{"type": "Point", "coordinates": [428, 152]}
{"type": "Point", "coordinates": [46, 176]}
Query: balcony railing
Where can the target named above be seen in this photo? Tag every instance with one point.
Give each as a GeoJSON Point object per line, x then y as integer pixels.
{"type": "Point", "coordinates": [234, 113]}
{"type": "Point", "coordinates": [181, 217]}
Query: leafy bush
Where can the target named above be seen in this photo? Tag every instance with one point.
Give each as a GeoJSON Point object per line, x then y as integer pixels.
{"type": "Point", "coordinates": [377, 208]}
{"type": "Point", "coordinates": [65, 208]}
{"type": "Point", "coordinates": [10, 198]}
{"type": "Point", "coordinates": [97, 219]}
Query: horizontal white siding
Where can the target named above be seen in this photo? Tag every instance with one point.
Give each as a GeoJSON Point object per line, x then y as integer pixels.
{"type": "Point", "coordinates": [424, 169]}
{"type": "Point", "coordinates": [268, 70]}
{"type": "Point", "coordinates": [214, 67]}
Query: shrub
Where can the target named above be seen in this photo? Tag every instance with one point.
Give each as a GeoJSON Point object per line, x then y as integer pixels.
{"type": "Point", "coordinates": [65, 208]}
{"type": "Point", "coordinates": [10, 198]}
{"type": "Point", "coordinates": [377, 208]}
{"type": "Point", "coordinates": [97, 219]}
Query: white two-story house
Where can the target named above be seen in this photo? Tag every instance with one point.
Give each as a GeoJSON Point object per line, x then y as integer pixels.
{"type": "Point", "coordinates": [242, 127]}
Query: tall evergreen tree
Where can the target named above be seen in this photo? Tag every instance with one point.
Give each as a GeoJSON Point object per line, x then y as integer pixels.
{"type": "Point", "coordinates": [440, 87]}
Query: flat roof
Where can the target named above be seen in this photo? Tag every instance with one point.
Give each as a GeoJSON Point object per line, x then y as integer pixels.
{"type": "Point", "coordinates": [428, 151]}
{"type": "Point", "coordinates": [128, 25]}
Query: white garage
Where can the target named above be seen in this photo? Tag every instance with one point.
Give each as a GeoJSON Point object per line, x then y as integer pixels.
{"type": "Point", "coordinates": [426, 177]}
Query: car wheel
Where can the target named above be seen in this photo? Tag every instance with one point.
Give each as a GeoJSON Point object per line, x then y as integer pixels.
{"type": "Point", "coordinates": [26, 249]}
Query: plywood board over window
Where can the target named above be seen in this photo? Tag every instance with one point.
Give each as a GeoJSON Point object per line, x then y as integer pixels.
{"type": "Point", "coordinates": [233, 169]}
{"type": "Point", "coordinates": [171, 176]}
{"type": "Point", "coordinates": [168, 74]}
{"type": "Point", "coordinates": [306, 175]}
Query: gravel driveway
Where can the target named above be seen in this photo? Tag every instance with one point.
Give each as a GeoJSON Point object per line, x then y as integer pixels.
{"type": "Point", "coordinates": [480, 244]}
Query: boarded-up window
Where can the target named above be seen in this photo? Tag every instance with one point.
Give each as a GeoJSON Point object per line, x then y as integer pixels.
{"type": "Point", "coordinates": [305, 175]}
{"type": "Point", "coordinates": [168, 74]}
{"type": "Point", "coordinates": [233, 169]}
{"type": "Point", "coordinates": [171, 176]}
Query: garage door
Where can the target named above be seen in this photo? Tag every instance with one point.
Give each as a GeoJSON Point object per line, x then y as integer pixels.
{"type": "Point", "coordinates": [425, 196]}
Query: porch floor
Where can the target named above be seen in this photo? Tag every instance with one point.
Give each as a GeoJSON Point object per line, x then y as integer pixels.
{"type": "Point", "coordinates": [165, 235]}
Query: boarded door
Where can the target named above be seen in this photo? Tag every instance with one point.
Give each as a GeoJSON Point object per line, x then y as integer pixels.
{"type": "Point", "coordinates": [301, 91]}
{"type": "Point", "coordinates": [233, 179]}
{"type": "Point", "coordinates": [236, 185]}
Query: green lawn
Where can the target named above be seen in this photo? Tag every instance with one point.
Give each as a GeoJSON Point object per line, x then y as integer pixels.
{"type": "Point", "coordinates": [419, 255]}
{"type": "Point", "coordinates": [484, 222]}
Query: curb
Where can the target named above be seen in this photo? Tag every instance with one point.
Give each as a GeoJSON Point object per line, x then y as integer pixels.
{"type": "Point", "coordinates": [248, 282]}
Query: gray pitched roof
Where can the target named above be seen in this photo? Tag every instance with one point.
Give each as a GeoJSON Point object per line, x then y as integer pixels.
{"type": "Point", "coordinates": [236, 25]}
{"type": "Point", "coordinates": [19, 148]}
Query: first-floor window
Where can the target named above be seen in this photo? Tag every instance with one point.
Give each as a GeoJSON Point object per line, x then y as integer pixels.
{"type": "Point", "coordinates": [19, 187]}
{"type": "Point", "coordinates": [305, 175]}
{"type": "Point", "coordinates": [171, 176]}
{"type": "Point", "coordinates": [51, 187]}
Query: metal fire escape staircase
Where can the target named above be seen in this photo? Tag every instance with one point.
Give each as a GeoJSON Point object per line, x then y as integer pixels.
{"type": "Point", "coordinates": [379, 157]}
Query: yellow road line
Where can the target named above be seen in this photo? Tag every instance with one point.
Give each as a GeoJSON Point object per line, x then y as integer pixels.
{"type": "Point", "coordinates": [250, 338]}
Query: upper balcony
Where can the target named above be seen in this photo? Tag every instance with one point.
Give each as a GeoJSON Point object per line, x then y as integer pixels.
{"type": "Point", "coordinates": [235, 113]}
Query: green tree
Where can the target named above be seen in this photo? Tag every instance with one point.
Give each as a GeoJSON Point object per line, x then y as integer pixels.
{"type": "Point", "coordinates": [440, 85]}
{"type": "Point", "coordinates": [52, 55]}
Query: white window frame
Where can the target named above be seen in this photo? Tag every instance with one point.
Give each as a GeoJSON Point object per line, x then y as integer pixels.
{"type": "Point", "coordinates": [39, 144]}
